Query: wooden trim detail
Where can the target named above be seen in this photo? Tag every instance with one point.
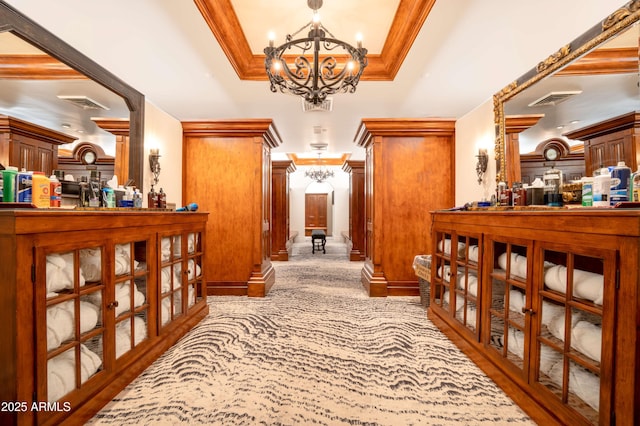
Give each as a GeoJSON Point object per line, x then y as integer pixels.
{"type": "Point", "coordinates": [336, 161]}
{"type": "Point", "coordinates": [224, 25]}
{"type": "Point", "coordinates": [402, 127]}
{"type": "Point", "coordinates": [622, 60]}
{"type": "Point", "coordinates": [258, 127]}
{"type": "Point", "coordinates": [36, 67]}
{"type": "Point", "coordinates": [15, 125]}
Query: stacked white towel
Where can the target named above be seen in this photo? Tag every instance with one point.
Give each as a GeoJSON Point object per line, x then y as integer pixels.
{"type": "Point", "coordinates": [60, 272]}
{"type": "Point", "coordinates": [586, 337]}
{"type": "Point", "coordinates": [165, 310]}
{"type": "Point", "coordinates": [193, 269]}
{"type": "Point", "coordinates": [518, 264]}
{"type": "Point", "coordinates": [61, 324]}
{"type": "Point", "coordinates": [123, 335]}
{"type": "Point", "coordinates": [165, 279]}
{"type": "Point", "coordinates": [583, 383]}
{"type": "Point", "coordinates": [61, 377]}
{"type": "Point", "coordinates": [444, 246]}
{"type": "Point", "coordinates": [91, 264]}
{"type": "Point", "coordinates": [123, 297]}
{"type": "Point", "coordinates": [586, 285]}
{"type": "Point", "coordinates": [548, 356]}
{"type": "Point", "coordinates": [518, 300]}
{"type": "Point", "coordinates": [123, 259]}
{"type": "Point", "coordinates": [474, 253]}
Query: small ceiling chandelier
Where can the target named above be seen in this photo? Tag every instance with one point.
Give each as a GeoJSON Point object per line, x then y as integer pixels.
{"type": "Point", "coordinates": [314, 78]}
{"type": "Point", "coordinates": [319, 175]}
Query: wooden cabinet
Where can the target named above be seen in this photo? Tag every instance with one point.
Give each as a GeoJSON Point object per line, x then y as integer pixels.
{"type": "Point", "coordinates": [89, 300]}
{"type": "Point", "coordinates": [280, 231]}
{"type": "Point", "coordinates": [356, 209]}
{"type": "Point", "coordinates": [227, 171]}
{"type": "Point", "coordinates": [611, 141]}
{"type": "Point", "coordinates": [547, 303]}
{"type": "Point", "coordinates": [409, 171]}
{"type": "Point", "coordinates": [29, 146]}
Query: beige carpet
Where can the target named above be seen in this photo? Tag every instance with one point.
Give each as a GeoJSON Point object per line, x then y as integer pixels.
{"type": "Point", "coordinates": [317, 351]}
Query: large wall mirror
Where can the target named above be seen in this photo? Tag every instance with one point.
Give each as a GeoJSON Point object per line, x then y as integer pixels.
{"type": "Point", "coordinates": [33, 88]}
{"type": "Point", "coordinates": [590, 80]}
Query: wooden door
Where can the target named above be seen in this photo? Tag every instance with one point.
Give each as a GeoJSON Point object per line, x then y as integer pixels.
{"type": "Point", "coordinates": [315, 210]}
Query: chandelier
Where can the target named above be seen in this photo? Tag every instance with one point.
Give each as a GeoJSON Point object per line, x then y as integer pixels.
{"type": "Point", "coordinates": [319, 175]}
{"type": "Point", "coordinates": [314, 78]}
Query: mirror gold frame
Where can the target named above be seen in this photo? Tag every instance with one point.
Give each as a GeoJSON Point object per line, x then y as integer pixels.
{"type": "Point", "coordinates": [608, 28]}
{"type": "Point", "coordinates": [13, 21]}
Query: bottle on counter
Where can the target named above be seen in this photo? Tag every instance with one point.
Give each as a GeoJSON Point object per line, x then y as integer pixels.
{"type": "Point", "coordinates": [40, 186]}
{"type": "Point", "coordinates": [162, 199]}
{"type": "Point", "coordinates": [55, 191]}
{"type": "Point", "coordinates": [634, 186]}
{"type": "Point", "coordinates": [152, 198]}
{"type": "Point", "coordinates": [9, 184]}
{"type": "Point", "coordinates": [137, 198]}
{"type": "Point", "coordinates": [620, 179]}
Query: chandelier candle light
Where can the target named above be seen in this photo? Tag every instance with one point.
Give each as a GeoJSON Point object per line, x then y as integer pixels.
{"type": "Point", "coordinates": [314, 78]}
{"type": "Point", "coordinates": [319, 175]}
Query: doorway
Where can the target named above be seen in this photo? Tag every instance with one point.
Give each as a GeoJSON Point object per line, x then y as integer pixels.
{"type": "Point", "coordinates": [315, 210]}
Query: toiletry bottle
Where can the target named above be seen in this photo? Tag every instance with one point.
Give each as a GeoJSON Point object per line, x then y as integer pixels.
{"type": "Point", "coordinates": [40, 186]}
{"type": "Point", "coordinates": [634, 187]}
{"type": "Point", "coordinates": [162, 199]}
{"type": "Point", "coordinates": [55, 191]}
{"type": "Point", "coordinates": [620, 178]}
{"type": "Point", "coordinates": [9, 184]}
{"type": "Point", "coordinates": [152, 198]}
{"type": "Point", "coordinates": [137, 198]}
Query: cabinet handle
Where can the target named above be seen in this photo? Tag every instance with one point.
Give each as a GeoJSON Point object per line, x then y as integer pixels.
{"type": "Point", "coordinates": [187, 272]}
{"type": "Point", "coordinates": [528, 311]}
{"type": "Point", "coordinates": [112, 305]}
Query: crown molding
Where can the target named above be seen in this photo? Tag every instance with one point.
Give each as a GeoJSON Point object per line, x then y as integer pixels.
{"type": "Point", "coordinates": [226, 28]}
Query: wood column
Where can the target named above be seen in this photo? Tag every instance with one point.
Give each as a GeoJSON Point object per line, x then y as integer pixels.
{"type": "Point", "coordinates": [227, 171]}
{"type": "Point", "coordinates": [514, 125]}
{"type": "Point", "coordinates": [409, 171]}
{"type": "Point", "coordinates": [356, 209]}
{"type": "Point", "coordinates": [119, 128]}
{"type": "Point", "coordinates": [280, 232]}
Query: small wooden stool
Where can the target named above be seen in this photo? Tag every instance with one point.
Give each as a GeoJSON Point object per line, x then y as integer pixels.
{"type": "Point", "coordinates": [318, 240]}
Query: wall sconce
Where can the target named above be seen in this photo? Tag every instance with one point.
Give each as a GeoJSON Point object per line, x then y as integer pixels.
{"type": "Point", "coordinates": [481, 164]}
{"type": "Point", "coordinates": [154, 164]}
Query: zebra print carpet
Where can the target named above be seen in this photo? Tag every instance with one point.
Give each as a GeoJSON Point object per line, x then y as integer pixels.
{"type": "Point", "coordinates": [317, 350]}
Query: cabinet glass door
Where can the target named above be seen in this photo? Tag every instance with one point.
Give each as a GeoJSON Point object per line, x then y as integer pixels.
{"type": "Point", "coordinates": [171, 278]}
{"type": "Point", "coordinates": [193, 273]}
{"type": "Point", "coordinates": [131, 295]}
{"type": "Point", "coordinates": [70, 336]}
{"type": "Point", "coordinates": [507, 283]}
{"type": "Point", "coordinates": [570, 359]}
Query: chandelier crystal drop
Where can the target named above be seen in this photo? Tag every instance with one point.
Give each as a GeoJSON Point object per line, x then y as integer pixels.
{"type": "Point", "coordinates": [314, 77]}
{"type": "Point", "coordinates": [319, 175]}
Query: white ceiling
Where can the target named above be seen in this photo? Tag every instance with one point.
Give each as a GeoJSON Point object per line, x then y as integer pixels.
{"type": "Point", "coordinates": [466, 51]}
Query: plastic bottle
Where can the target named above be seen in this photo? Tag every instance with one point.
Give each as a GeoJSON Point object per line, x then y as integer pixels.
{"type": "Point", "coordinates": [55, 191]}
{"type": "Point", "coordinates": [601, 190]}
{"type": "Point", "coordinates": [23, 187]}
{"type": "Point", "coordinates": [587, 191]}
{"type": "Point", "coordinates": [9, 176]}
{"type": "Point", "coordinates": [634, 187]}
{"type": "Point", "coordinates": [620, 177]}
{"type": "Point", "coordinates": [137, 199]}
{"type": "Point", "coordinates": [40, 190]}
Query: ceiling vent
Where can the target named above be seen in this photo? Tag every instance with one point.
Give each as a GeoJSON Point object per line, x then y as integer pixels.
{"type": "Point", "coordinates": [554, 98]}
{"type": "Point", "coordinates": [326, 105]}
{"type": "Point", "coordinates": [83, 102]}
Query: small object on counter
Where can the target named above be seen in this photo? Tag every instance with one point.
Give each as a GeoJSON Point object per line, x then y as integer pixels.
{"type": "Point", "coordinates": [9, 184]}
{"type": "Point", "coordinates": [55, 191]}
{"type": "Point", "coordinates": [162, 199]}
{"type": "Point", "coordinates": [137, 199]}
{"type": "Point", "coordinates": [191, 207]}
{"type": "Point", "coordinates": [152, 198]}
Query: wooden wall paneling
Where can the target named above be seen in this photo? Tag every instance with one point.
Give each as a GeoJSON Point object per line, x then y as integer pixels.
{"type": "Point", "coordinates": [280, 231]}
{"type": "Point", "coordinates": [29, 146]}
{"type": "Point", "coordinates": [357, 227]}
{"type": "Point", "coordinates": [409, 171]}
{"type": "Point", "coordinates": [119, 128]}
{"type": "Point", "coordinates": [227, 171]}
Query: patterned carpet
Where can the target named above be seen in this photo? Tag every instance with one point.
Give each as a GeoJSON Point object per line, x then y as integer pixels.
{"type": "Point", "coordinates": [318, 351]}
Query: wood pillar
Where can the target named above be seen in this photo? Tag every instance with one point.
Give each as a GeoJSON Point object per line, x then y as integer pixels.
{"type": "Point", "coordinates": [280, 231]}
{"type": "Point", "coordinates": [227, 171]}
{"type": "Point", "coordinates": [356, 209]}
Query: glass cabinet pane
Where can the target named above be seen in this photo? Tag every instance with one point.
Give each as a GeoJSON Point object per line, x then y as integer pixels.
{"type": "Point", "coordinates": [73, 320]}
{"type": "Point", "coordinates": [171, 277]}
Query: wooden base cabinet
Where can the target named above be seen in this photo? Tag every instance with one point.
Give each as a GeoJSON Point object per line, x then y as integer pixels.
{"type": "Point", "coordinates": [89, 300]}
{"type": "Point", "coordinates": [547, 303]}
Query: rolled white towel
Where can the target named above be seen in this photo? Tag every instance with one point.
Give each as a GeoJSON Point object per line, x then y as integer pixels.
{"type": "Point", "coordinates": [123, 335]}
{"type": "Point", "coordinates": [165, 310]}
{"type": "Point", "coordinates": [444, 272]}
{"type": "Point", "coordinates": [556, 325]}
{"type": "Point", "coordinates": [166, 249]}
{"type": "Point", "coordinates": [191, 241]}
{"type": "Point", "coordinates": [445, 247]}
{"type": "Point", "coordinates": [586, 285]}
{"type": "Point", "coordinates": [61, 377]}
{"type": "Point", "coordinates": [474, 253]}
{"type": "Point", "coordinates": [60, 272]}
{"type": "Point", "coordinates": [548, 356]}
{"type": "Point", "coordinates": [518, 264]}
{"type": "Point", "coordinates": [60, 324]}
{"type": "Point", "coordinates": [586, 337]}
{"type": "Point", "coordinates": [459, 300]}
{"type": "Point", "coordinates": [550, 311]}
{"type": "Point", "coordinates": [515, 344]}
{"type": "Point", "coordinates": [517, 300]}
{"type": "Point", "coordinates": [91, 264]}
{"type": "Point", "coordinates": [582, 383]}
